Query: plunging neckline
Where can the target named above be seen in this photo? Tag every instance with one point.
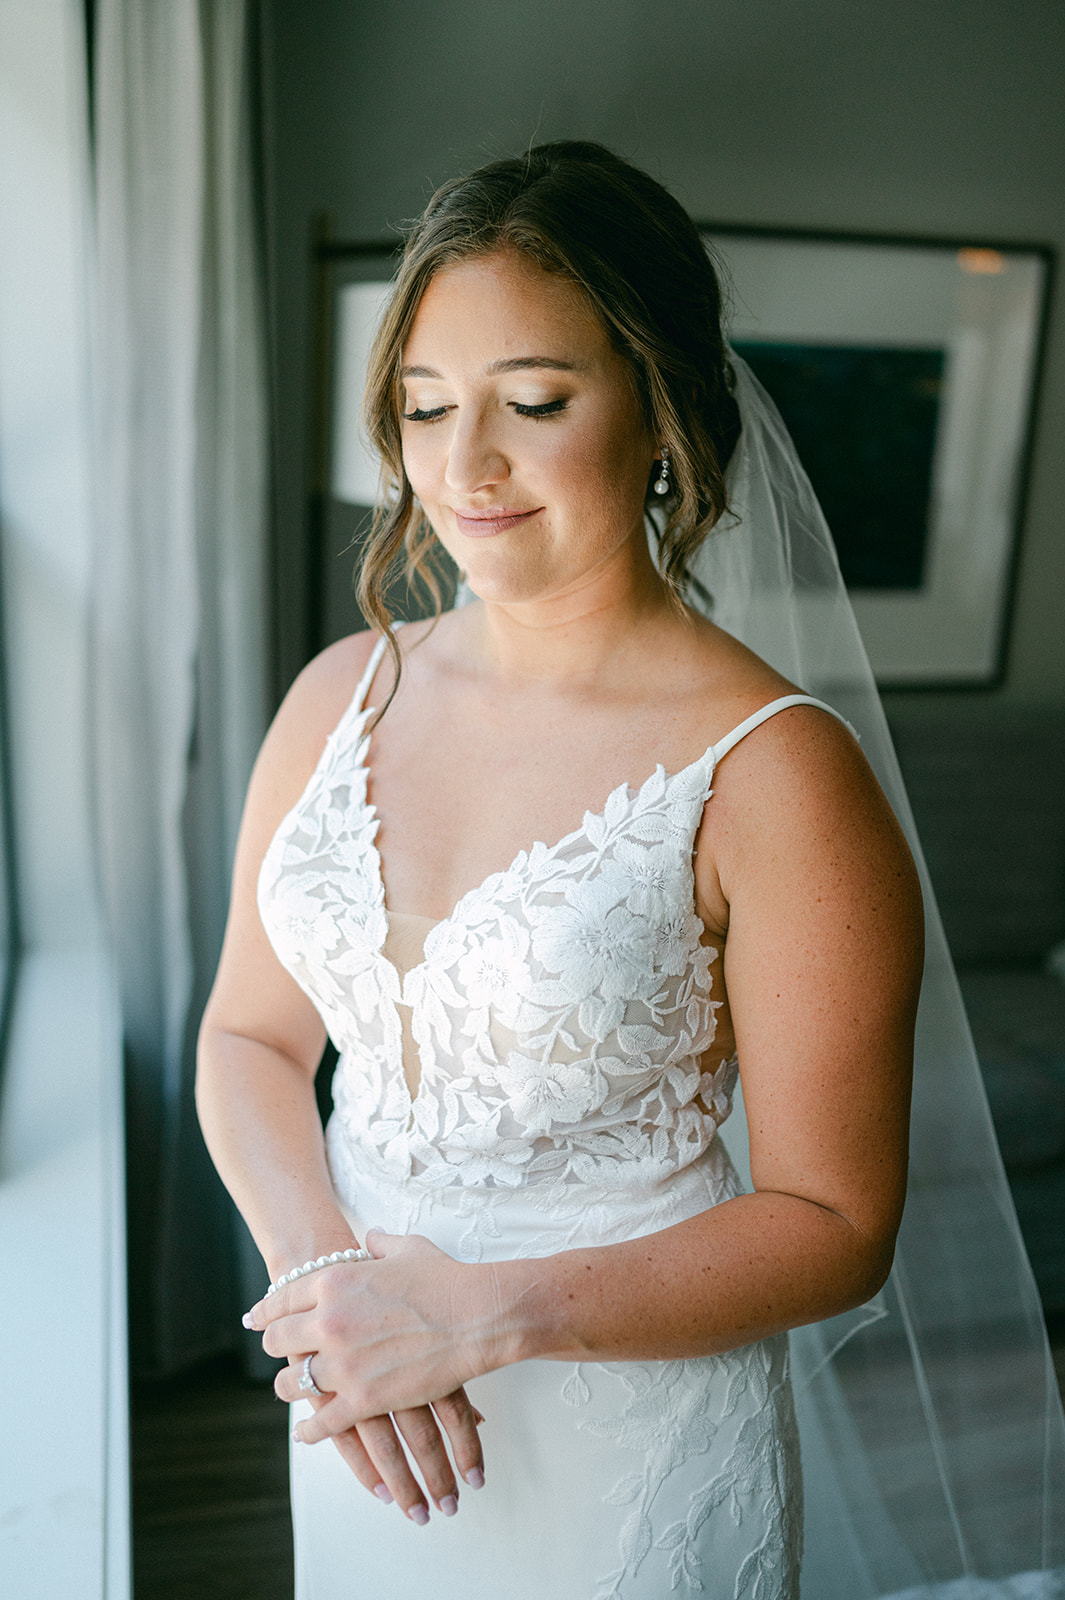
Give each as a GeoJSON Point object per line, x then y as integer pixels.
{"type": "Point", "coordinates": [537, 849]}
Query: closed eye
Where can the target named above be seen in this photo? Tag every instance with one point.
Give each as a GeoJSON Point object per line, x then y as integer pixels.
{"type": "Point", "coordinates": [549, 409]}
{"type": "Point", "coordinates": [418, 415]}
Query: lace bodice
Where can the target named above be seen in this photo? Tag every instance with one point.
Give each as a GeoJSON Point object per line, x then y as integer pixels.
{"type": "Point", "coordinates": [563, 1014]}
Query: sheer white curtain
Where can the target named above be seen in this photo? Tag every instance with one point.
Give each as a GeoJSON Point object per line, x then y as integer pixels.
{"type": "Point", "coordinates": [178, 664]}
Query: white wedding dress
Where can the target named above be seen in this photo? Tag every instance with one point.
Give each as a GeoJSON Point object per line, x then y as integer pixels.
{"type": "Point", "coordinates": [562, 1024]}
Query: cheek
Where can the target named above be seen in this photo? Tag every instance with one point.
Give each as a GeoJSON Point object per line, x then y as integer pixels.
{"type": "Point", "coordinates": [416, 464]}
{"type": "Point", "coordinates": [561, 465]}
{"type": "Point", "coordinates": [613, 466]}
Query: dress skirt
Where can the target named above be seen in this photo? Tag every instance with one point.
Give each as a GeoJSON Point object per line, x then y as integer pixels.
{"type": "Point", "coordinates": [620, 1481]}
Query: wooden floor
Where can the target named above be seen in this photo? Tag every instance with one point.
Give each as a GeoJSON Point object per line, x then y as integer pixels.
{"type": "Point", "coordinates": [210, 1488]}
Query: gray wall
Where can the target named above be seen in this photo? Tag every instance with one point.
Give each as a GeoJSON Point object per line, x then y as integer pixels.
{"type": "Point", "coordinates": [887, 115]}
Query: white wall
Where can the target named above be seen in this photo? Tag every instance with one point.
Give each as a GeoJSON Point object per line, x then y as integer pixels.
{"type": "Point", "coordinates": [897, 117]}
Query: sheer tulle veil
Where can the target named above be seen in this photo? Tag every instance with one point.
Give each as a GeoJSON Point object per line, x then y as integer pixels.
{"type": "Point", "coordinates": [932, 1432]}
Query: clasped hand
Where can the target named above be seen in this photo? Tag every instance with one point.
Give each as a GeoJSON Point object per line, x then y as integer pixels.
{"type": "Point", "coordinates": [390, 1360]}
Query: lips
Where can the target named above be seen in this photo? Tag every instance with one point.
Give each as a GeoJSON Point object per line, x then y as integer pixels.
{"type": "Point", "coordinates": [492, 520]}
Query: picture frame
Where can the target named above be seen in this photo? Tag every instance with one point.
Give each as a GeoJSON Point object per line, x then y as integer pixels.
{"type": "Point", "coordinates": [349, 279]}
{"type": "Point", "coordinates": [906, 370]}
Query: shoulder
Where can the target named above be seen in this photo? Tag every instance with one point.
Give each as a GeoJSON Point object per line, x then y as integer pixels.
{"type": "Point", "coordinates": [795, 803]}
{"type": "Point", "coordinates": [800, 758]}
{"type": "Point", "coordinates": [721, 681]}
{"type": "Point", "coordinates": [731, 685]}
{"type": "Point", "coordinates": [310, 711]}
{"type": "Point", "coordinates": [324, 688]}
{"type": "Point", "coordinates": [801, 771]}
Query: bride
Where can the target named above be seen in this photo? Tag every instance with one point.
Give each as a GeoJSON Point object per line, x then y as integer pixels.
{"type": "Point", "coordinates": [522, 1217]}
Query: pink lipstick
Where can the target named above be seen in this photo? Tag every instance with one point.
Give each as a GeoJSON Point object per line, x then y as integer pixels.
{"type": "Point", "coordinates": [495, 519]}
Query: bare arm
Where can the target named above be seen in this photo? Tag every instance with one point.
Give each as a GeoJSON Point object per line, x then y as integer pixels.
{"type": "Point", "coordinates": [261, 1038]}
{"type": "Point", "coordinates": [823, 955]}
{"type": "Point", "coordinates": [260, 1043]}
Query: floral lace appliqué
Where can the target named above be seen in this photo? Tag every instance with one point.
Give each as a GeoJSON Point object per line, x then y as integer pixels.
{"type": "Point", "coordinates": [562, 1013]}
{"type": "Point", "coordinates": [743, 1524]}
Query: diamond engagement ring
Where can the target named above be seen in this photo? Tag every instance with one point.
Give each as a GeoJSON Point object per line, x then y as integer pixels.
{"type": "Point", "coordinates": [306, 1378]}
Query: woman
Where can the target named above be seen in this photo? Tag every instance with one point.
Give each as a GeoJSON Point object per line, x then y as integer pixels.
{"type": "Point", "coordinates": [539, 1041]}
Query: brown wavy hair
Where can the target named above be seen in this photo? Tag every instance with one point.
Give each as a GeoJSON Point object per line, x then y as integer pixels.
{"type": "Point", "coordinates": [577, 209]}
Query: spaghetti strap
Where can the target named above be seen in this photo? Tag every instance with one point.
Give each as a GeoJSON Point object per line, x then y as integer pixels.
{"type": "Point", "coordinates": [353, 709]}
{"type": "Point", "coordinates": [368, 675]}
{"type": "Point", "coordinates": [756, 719]}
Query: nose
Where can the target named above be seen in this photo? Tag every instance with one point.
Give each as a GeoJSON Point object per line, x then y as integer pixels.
{"type": "Point", "coordinates": [475, 459]}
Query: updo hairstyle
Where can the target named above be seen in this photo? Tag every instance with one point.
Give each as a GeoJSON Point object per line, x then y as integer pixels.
{"type": "Point", "coordinates": [577, 209]}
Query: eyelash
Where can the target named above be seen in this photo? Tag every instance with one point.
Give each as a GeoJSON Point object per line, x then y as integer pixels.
{"type": "Point", "coordinates": [550, 408]}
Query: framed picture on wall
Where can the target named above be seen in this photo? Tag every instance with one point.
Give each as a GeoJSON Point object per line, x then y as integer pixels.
{"type": "Point", "coordinates": [351, 283]}
{"type": "Point", "coordinates": [905, 372]}
{"type": "Point", "coordinates": [906, 375]}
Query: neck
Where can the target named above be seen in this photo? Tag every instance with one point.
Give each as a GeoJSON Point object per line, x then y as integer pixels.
{"type": "Point", "coordinates": [582, 630]}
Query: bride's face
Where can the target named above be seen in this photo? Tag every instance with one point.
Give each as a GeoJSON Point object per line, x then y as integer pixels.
{"type": "Point", "coordinates": [523, 437]}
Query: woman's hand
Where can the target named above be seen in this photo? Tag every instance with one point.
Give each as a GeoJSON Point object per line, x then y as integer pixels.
{"type": "Point", "coordinates": [399, 1334]}
{"type": "Point", "coordinates": [373, 1451]}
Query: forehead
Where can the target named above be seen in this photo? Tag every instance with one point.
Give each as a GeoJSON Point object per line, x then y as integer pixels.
{"type": "Point", "coordinates": [503, 306]}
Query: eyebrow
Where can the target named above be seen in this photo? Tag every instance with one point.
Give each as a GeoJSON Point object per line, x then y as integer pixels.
{"type": "Point", "coordinates": [511, 364]}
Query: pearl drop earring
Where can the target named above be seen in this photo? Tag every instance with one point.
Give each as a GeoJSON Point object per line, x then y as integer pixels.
{"type": "Point", "coordinates": [662, 481]}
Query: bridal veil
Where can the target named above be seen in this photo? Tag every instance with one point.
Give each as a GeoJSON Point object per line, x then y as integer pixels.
{"type": "Point", "coordinates": [932, 1431]}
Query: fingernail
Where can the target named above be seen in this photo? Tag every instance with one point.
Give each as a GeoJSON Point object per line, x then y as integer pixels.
{"type": "Point", "coordinates": [296, 1436]}
{"type": "Point", "coordinates": [475, 1478]}
{"type": "Point", "coordinates": [382, 1492]}
{"type": "Point", "coordinates": [248, 1320]}
{"type": "Point", "coordinates": [478, 1416]}
{"type": "Point", "coordinates": [419, 1514]}
{"type": "Point", "coordinates": [448, 1505]}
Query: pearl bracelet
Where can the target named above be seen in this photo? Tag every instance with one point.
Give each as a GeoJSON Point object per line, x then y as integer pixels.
{"type": "Point", "coordinates": [316, 1266]}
